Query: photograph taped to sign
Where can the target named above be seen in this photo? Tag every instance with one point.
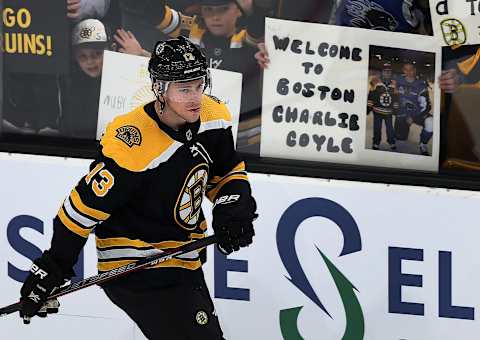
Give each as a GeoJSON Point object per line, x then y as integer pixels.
{"type": "Point", "coordinates": [399, 111]}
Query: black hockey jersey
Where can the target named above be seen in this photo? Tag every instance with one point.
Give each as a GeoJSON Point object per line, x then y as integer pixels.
{"type": "Point", "coordinates": [383, 99]}
{"type": "Point", "coordinates": [470, 68]}
{"type": "Point", "coordinates": [145, 190]}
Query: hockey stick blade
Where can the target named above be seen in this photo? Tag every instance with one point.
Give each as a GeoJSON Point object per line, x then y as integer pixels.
{"type": "Point", "coordinates": [123, 270]}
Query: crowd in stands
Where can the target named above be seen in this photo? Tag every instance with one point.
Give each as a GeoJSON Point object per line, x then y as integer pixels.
{"type": "Point", "coordinates": [231, 34]}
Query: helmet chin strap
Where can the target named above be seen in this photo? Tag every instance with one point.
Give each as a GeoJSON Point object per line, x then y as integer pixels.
{"type": "Point", "coordinates": [162, 103]}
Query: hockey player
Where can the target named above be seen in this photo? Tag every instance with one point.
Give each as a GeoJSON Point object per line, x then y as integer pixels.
{"type": "Point", "coordinates": [383, 101]}
{"type": "Point", "coordinates": [144, 194]}
{"type": "Point", "coordinates": [414, 107]}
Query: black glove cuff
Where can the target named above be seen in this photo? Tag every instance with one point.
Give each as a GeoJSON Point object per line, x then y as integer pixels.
{"type": "Point", "coordinates": [235, 201]}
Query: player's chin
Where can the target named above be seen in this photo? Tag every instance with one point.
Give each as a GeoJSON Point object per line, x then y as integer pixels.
{"type": "Point", "coordinates": [191, 115]}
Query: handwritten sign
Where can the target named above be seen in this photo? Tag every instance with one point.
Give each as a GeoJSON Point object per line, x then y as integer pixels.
{"type": "Point", "coordinates": [126, 85]}
{"type": "Point", "coordinates": [315, 93]}
{"type": "Point", "coordinates": [456, 22]}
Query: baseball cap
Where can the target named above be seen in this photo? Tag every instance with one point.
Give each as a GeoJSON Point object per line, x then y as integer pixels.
{"type": "Point", "coordinates": [89, 31]}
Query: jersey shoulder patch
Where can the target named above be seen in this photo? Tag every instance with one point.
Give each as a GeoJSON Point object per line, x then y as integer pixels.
{"type": "Point", "coordinates": [135, 142]}
{"type": "Point", "coordinates": [129, 134]}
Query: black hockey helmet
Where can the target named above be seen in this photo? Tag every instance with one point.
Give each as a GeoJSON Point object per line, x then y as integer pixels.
{"type": "Point", "coordinates": [177, 60]}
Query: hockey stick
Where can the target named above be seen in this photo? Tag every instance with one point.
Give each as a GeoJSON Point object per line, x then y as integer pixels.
{"type": "Point", "coordinates": [126, 269]}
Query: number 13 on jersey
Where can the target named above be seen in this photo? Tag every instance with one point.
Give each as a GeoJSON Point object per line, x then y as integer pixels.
{"type": "Point", "coordinates": [100, 188]}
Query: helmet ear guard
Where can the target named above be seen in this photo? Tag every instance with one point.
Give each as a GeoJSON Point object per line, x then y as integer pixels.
{"type": "Point", "coordinates": [159, 88]}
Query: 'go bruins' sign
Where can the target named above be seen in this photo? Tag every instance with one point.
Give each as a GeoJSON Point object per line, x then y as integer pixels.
{"type": "Point", "coordinates": [189, 201]}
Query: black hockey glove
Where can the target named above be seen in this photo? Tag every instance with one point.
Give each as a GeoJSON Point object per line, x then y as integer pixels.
{"type": "Point", "coordinates": [45, 276]}
{"type": "Point", "coordinates": [233, 214]}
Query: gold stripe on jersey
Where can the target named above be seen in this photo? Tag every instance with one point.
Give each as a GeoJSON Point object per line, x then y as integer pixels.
{"type": "Point", "coordinates": [105, 267]}
{"type": "Point", "coordinates": [125, 242]}
{"type": "Point", "coordinates": [237, 39]}
{"type": "Point", "coordinates": [170, 22]}
{"type": "Point", "coordinates": [217, 182]}
{"type": "Point", "coordinates": [185, 206]}
{"type": "Point", "coordinates": [174, 22]}
{"type": "Point", "coordinates": [192, 265]}
{"type": "Point", "coordinates": [212, 194]}
{"type": "Point", "coordinates": [85, 210]}
{"type": "Point", "coordinates": [71, 225]}
{"type": "Point", "coordinates": [169, 244]}
{"type": "Point", "coordinates": [156, 146]}
{"type": "Point", "coordinates": [105, 263]}
{"type": "Point", "coordinates": [240, 167]}
{"type": "Point", "coordinates": [116, 248]}
{"type": "Point", "coordinates": [120, 242]}
{"type": "Point", "coordinates": [167, 18]}
{"type": "Point", "coordinates": [84, 221]}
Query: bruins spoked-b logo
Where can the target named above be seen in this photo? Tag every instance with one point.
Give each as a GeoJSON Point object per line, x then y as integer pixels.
{"type": "Point", "coordinates": [86, 32]}
{"type": "Point", "coordinates": [201, 317]}
{"type": "Point", "coordinates": [130, 135]}
{"type": "Point", "coordinates": [454, 32]}
{"type": "Point", "coordinates": [189, 201]}
{"type": "Point", "coordinates": [385, 99]}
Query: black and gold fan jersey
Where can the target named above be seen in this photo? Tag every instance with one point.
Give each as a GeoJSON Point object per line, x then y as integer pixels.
{"type": "Point", "coordinates": [145, 190]}
{"type": "Point", "coordinates": [470, 68]}
{"type": "Point", "coordinates": [174, 23]}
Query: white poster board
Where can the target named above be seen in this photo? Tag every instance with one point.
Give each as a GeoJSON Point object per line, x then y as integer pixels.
{"type": "Point", "coordinates": [126, 85]}
{"type": "Point", "coordinates": [456, 22]}
{"type": "Point", "coordinates": [316, 87]}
